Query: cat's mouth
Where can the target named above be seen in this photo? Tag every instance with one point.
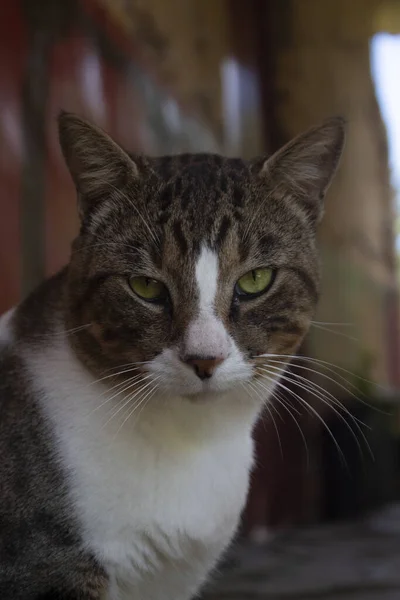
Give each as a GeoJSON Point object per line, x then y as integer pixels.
{"type": "Point", "coordinates": [208, 390]}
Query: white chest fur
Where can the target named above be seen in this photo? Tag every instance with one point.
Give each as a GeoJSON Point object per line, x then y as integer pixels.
{"type": "Point", "coordinates": [159, 499]}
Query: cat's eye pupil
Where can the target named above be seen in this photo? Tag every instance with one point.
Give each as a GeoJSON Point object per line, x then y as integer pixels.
{"type": "Point", "coordinates": [254, 283]}
{"type": "Point", "coordinates": [149, 289]}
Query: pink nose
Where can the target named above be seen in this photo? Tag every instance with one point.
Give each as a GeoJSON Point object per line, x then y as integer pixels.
{"type": "Point", "coordinates": [204, 367]}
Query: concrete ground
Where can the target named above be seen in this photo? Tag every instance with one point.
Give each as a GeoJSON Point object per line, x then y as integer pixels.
{"type": "Point", "coordinates": [350, 561]}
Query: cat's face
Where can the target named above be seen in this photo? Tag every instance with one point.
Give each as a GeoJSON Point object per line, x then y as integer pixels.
{"type": "Point", "coordinates": [194, 267]}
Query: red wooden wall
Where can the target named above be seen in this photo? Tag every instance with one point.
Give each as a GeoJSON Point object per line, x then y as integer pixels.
{"type": "Point", "coordinates": [12, 55]}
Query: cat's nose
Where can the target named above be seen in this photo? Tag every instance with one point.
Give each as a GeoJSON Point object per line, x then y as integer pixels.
{"type": "Point", "coordinates": [204, 367]}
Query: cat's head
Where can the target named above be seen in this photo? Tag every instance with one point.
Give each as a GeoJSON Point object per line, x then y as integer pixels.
{"type": "Point", "coordinates": [193, 269]}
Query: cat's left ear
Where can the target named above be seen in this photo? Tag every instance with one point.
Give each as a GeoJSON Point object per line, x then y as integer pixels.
{"type": "Point", "coordinates": [304, 168]}
{"type": "Point", "coordinates": [98, 165]}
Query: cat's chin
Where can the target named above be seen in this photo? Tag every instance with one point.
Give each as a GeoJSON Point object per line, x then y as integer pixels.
{"type": "Point", "coordinates": [217, 394]}
{"type": "Point", "coordinates": [204, 396]}
{"type": "Point", "coordinates": [206, 391]}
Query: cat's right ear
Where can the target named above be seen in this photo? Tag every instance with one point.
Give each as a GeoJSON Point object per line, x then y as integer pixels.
{"type": "Point", "coordinates": [98, 165]}
{"type": "Point", "coordinates": [304, 168]}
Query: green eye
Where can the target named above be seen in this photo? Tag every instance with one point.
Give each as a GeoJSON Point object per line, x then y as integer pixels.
{"type": "Point", "coordinates": [255, 282]}
{"type": "Point", "coordinates": [148, 289]}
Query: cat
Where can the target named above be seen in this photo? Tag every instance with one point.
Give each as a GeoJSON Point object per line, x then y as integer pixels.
{"type": "Point", "coordinates": [130, 382]}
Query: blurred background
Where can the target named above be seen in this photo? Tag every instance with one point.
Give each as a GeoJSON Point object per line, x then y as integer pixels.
{"type": "Point", "coordinates": [242, 78]}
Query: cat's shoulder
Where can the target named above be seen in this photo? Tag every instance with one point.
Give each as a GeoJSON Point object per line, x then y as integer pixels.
{"type": "Point", "coordinates": [36, 316]}
{"type": "Point", "coordinates": [6, 329]}
{"type": "Point", "coordinates": [17, 396]}
{"type": "Point", "coordinates": [26, 328]}
{"type": "Point", "coordinates": [10, 362]}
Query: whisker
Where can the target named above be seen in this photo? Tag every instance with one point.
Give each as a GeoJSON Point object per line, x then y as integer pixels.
{"type": "Point", "coordinates": [283, 398]}
{"type": "Point", "coordinates": [325, 364]}
{"type": "Point", "coordinates": [65, 332]}
{"type": "Point", "coordinates": [127, 401]}
{"type": "Point", "coordinates": [129, 364]}
{"type": "Point", "coordinates": [142, 403]}
{"type": "Point", "coordinates": [341, 406]}
{"type": "Point", "coordinates": [317, 394]}
{"type": "Point", "coordinates": [125, 385]}
{"type": "Point", "coordinates": [122, 372]}
{"type": "Point", "coordinates": [283, 402]}
{"type": "Point", "coordinates": [339, 333]}
{"type": "Point", "coordinates": [128, 385]}
{"type": "Point", "coordinates": [333, 323]}
{"type": "Point", "coordinates": [270, 414]}
{"type": "Point", "coordinates": [322, 389]}
{"type": "Point", "coordinates": [311, 387]}
{"type": "Point", "coordinates": [339, 385]}
{"type": "Point", "coordinates": [312, 410]}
